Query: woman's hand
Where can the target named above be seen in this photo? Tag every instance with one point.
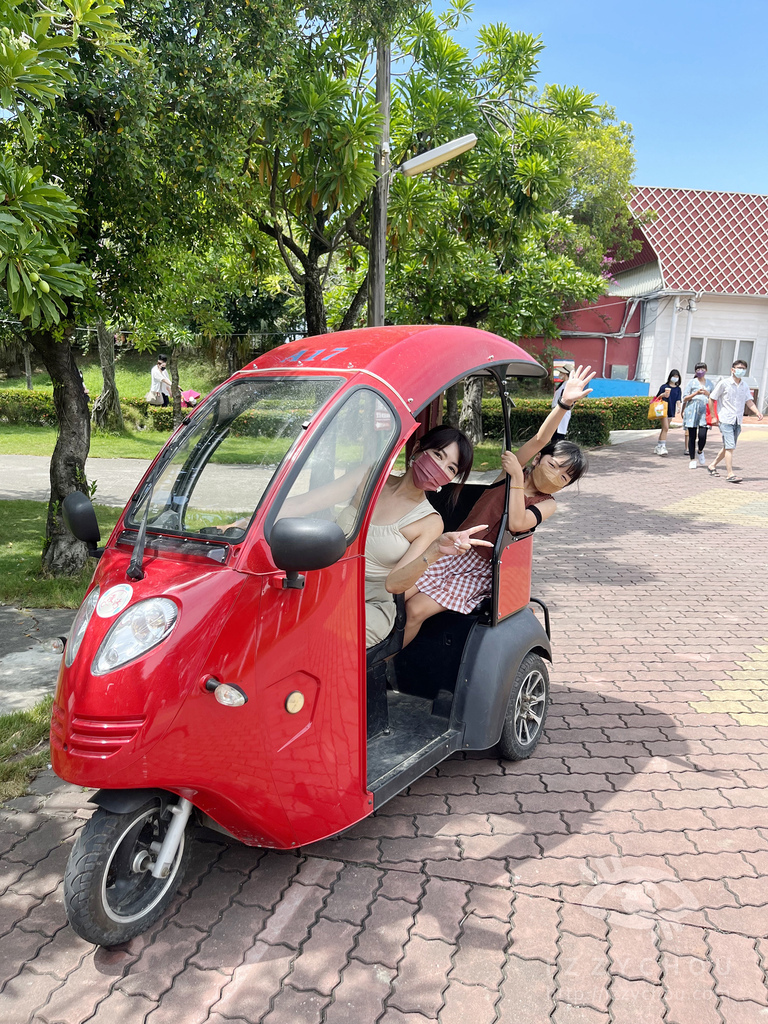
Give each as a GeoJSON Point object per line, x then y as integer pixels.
{"type": "Point", "coordinates": [576, 385]}
{"type": "Point", "coordinates": [459, 543]}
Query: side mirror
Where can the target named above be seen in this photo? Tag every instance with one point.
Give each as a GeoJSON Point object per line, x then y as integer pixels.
{"type": "Point", "coordinates": [80, 520]}
{"type": "Point", "coordinates": [302, 544]}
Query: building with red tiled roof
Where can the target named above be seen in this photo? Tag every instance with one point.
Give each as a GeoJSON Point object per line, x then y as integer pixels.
{"type": "Point", "coordinates": [697, 290]}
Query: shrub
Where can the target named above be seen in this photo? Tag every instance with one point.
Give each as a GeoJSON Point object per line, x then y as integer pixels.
{"type": "Point", "coordinates": [590, 425]}
{"type": "Point", "coordinates": [31, 407]}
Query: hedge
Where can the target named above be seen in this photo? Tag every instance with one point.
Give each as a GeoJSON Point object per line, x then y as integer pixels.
{"type": "Point", "coordinates": [33, 407]}
{"type": "Point", "coordinates": [591, 421]}
{"type": "Point", "coordinates": [629, 413]}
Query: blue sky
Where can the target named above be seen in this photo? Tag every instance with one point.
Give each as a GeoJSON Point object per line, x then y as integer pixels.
{"type": "Point", "coordinates": [691, 78]}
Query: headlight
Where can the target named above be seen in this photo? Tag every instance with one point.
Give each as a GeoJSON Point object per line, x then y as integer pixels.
{"type": "Point", "coordinates": [139, 629]}
{"type": "Point", "coordinates": [80, 625]}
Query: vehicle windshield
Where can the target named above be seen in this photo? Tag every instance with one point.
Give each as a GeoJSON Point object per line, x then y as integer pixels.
{"type": "Point", "coordinates": [213, 478]}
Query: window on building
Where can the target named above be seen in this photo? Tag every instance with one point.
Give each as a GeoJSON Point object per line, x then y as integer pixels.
{"type": "Point", "coordinates": [718, 354]}
{"type": "Point", "coordinates": [694, 354]}
{"type": "Point", "coordinates": [745, 351]}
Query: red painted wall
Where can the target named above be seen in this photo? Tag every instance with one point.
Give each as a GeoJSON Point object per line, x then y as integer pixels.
{"type": "Point", "coordinates": [605, 316]}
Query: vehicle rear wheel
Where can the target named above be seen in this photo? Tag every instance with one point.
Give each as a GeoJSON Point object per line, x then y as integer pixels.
{"type": "Point", "coordinates": [526, 710]}
{"type": "Point", "coordinates": [110, 893]}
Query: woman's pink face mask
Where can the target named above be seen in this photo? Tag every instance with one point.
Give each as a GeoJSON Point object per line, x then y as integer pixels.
{"type": "Point", "coordinates": [428, 475]}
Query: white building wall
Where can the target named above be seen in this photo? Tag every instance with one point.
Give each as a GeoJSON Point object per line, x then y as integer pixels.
{"type": "Point", "coordinates": [666, 334]}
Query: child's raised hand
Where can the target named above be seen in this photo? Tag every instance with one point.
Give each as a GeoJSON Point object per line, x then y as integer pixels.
{"type": "Point", "coordinates": [460, 542]}
{"type": "Point", "coordinates": [576, 385]}
{"type": "Point", "coordinates": [511, 466]}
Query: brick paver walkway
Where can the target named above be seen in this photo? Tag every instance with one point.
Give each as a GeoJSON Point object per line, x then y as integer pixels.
{"type": "Point", "coordinates": [618, 875]}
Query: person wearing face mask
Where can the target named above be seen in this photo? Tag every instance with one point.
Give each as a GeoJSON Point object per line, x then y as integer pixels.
{"type": "Point", "coordinates": [406, 534]}
{"type": "Point", "coordinates": [461, 583]}
{"type": "Point", "coordinates": [672, 393]}
{"type": "Point", "coordinates": [732, 396]}
{"type": "Point", "coordinates": [695, 414]}
{"type": "Point", "coordinates": [161, 382]}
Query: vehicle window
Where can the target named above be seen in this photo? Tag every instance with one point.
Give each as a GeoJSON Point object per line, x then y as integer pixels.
{"type": "Point", "coordinates": [335, 476]}
{"type": "Point", "coordinates": [221, 464]}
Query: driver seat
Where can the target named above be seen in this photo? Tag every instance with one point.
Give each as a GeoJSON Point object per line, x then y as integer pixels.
{"type": "Point", "coordinates": [376, 659]}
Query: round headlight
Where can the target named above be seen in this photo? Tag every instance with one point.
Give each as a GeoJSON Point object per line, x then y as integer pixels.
{"type": "Point", "coordinates": [143, 626]}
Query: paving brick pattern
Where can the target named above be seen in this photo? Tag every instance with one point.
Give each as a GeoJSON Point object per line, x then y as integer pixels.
{"type": "Point", "coordinates": [619, 875]}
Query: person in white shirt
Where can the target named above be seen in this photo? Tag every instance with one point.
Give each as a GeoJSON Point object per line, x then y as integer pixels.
{"type": "Point", "coordinates": [161, 382]}
{"type": "Point", "coordinates": [562, 429]}
{"type": "Point", "coordinates": [732, 396]}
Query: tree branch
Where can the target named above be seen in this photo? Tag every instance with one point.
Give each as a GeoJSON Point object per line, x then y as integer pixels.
{"type": "Point", "coordinates": [355, 307]}
{"type": "Point", "coordinates": [284, 244]}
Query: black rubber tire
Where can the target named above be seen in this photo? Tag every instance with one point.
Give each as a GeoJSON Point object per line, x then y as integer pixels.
{"type": "Point", "coordinates": [100, 866]}
{"type": "Point", "coordinates": [526, 710]}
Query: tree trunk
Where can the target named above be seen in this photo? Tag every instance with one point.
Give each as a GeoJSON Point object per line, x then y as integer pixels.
{"type": "Point", "coordinates": [314, 306]}
{"type": "Point", "coordinates": [355, 307]}
{"type": "Point", "coordinates": [173, 362]}
{"type": "Point", "coordinates": [62, 554]}
{"type": "Point", "coordinates": [233, 360]}
{"type": "Point", "coordinates": [452, 405]}
{"type": "Point", "coordinates": [471, 421]}
{"type": "Point", "coordinates": [28, 365]}
{"type": "Point", "coordinates": [107, 413]}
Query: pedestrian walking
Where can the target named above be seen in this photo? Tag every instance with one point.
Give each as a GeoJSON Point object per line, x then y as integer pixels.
{"type": "Point", "coordinates": [695, 399]}
{"type": "Point", "coordinates": [160, 390]}
{"type": "Point", "coordinates": [671, 393]}
{"type": "Point", "coordinates": [732, 396]}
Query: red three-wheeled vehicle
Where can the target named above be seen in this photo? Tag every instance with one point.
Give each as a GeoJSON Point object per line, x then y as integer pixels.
{"type": "Point", "coordinates": [217, 669]}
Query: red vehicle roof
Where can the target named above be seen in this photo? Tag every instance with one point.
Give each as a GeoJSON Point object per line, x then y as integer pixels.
{"type": "Point", "coordinates": [416, 361]}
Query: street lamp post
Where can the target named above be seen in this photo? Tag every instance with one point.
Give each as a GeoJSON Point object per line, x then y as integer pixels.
{"type": "Point", "coordinates": [378, 251]}
{"type": "Point", "coordinates": [377, 256]}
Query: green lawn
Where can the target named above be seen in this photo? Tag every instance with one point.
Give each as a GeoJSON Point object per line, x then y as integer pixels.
{"type": "Point", "coordinates": [18, 439]}
{"type": "Point", "coordinates": [22, 529]}
{"type": "Point", "coordinates": [23, 747]}
{"type": "Point", "coordinates": [132, 374]}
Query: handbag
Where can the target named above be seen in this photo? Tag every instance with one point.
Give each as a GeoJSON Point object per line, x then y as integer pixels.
{"type": "Point", "coordinates": [153, 398]}
{"type": "Point", "coordinates": [710, 420]}
{"type": "Point", "coordinates": [657, 409]}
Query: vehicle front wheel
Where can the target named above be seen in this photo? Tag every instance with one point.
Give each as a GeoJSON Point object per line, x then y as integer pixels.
{"type": "Point", "coordinates": [526, 710]}
{"type": "Point", "coordinates": [110, 893]}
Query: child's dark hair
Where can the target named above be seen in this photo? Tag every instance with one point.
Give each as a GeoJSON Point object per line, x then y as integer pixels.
{"type": "Point", "coordinates": [673, 373]}
{"type": "Point", "coordinates": [576, 462]}
{"type": "Point", "coordinates": [437, 439]}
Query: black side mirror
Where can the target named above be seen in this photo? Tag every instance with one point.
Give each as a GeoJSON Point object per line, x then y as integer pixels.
{"type": "Point", "coordinates": [299, 545]}
{"type": "Point", "coordinates": [80, 520]}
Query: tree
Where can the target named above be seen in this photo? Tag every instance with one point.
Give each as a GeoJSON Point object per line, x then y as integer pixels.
{"type": "Point", "coordinates": [491, 239]}
{"type": "Point", "coordinates": [39, 274]}
{"type": "Point", "coordinates": [139, 158]}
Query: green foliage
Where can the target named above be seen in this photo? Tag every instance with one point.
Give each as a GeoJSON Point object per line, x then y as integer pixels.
{"type": "Point", "coordinates": [590, 425]}
{"type": "Point", "coordinates": [31, 407]}
{"type": "Point", "coordinates": [23, 747]}
{"type": "Point", "coordinates": [22, 526]}
{"type": "Point", "coordinates": [39, 50]}
{"type": "Point", "coordinates": [489, 239]}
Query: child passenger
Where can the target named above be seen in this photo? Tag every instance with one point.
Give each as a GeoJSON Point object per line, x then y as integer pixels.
{"type": "Point", "coordinates": [460, 581]}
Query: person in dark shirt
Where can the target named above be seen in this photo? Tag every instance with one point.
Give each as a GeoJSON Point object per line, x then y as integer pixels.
{"type": "Point", "coordinates": [672, 393]}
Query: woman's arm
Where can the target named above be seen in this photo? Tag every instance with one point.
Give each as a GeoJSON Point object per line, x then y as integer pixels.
{"type": "Point", "coordinates": [427, 548]}
{"type": "Point", "coordinates": [326, 495]}
{"type": "Point", "coordinates": [575, 388]}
